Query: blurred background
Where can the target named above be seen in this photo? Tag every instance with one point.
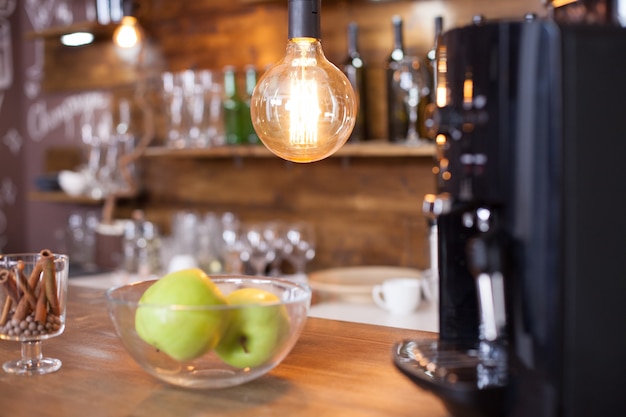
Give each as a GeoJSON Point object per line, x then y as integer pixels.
{"type": "Point", "coordinates": [178, 98]}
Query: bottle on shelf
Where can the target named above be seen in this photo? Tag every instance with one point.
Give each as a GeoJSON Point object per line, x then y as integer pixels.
{"type": "Point", "coordinates": [406, 91]}
{"type": "Point", "coordinates": [248, 133]}
{"type": "Point", "coordinates": [431, 56]}
{"type": "Point", "coordinates": [233, 105]}
{"type": "Point", "coordinates": [430, 76]}
{"type": "Point", "coordinates": [354, 68]}
{"type": "Point", "coordinates": [397, 115]}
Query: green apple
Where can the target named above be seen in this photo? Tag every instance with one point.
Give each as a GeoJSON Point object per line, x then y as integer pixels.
{"type": "Point", "coordinates": [186, 333]}
{"type": "Point", "coordinates": [255, 330]}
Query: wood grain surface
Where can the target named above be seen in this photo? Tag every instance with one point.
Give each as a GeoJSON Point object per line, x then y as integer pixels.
{"type": "Point", "coordinates": [365, 211]}
{"type": "Point", "coordinates": [336, 369]}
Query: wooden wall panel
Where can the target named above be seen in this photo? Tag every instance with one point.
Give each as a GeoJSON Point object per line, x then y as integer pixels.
{"type": "Point", "coordinates": [366, 211]}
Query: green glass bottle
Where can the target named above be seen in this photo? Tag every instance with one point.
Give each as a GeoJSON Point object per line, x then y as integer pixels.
{"type": "Point", "coordinates": [233, 105]}
{"type": "Point", "coordinates": [248, 133]}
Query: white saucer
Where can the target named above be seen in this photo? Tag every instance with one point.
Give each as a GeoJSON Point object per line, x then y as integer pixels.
{"type": "Point", "coordinates": [355, 284]}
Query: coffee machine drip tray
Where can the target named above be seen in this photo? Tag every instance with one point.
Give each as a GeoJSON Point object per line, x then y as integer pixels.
{"type": "Point", "coordinates": [470, 382]}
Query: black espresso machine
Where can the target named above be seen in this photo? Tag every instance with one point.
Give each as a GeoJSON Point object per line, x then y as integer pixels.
{"type": "Point", "coordinates": [530, 121]}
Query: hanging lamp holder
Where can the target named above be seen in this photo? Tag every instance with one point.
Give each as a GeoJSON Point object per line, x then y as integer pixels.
{"type": "Point", "coordinates": [304, 19]}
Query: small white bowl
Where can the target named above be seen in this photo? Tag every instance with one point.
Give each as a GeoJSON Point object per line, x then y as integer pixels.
{"type": "Point", "coordinates": [73, 183]}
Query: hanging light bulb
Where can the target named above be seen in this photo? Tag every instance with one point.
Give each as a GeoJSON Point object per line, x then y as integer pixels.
{"type": "Point", "coordinates": [128, 37]}
{"type": "Point", "coordinates": [303, 108]}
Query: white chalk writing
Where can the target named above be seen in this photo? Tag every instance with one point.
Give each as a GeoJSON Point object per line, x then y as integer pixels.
{"type": "Point", "coordinates": [8, 191]}
{"type": "Point", "coordinates": [41, 120]}
{"type": "Point", "coordinates": [13, 140]}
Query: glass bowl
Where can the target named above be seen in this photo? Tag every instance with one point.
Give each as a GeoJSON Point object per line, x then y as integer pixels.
{"type": "Point", "coordinates": [217, 368]}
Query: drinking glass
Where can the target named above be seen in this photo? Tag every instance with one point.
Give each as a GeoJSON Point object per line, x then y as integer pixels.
{"type": "Point", "coordinates": [193, 108]}
{"type": "Point", "coordinates": [258, 251]}
{"type": "Point", "coordinates": [33, 296]}
{"type": "Point", "coordinates": [213, 120]}
{"type": "Point", "coordinates": [232, 244]}
{"type": "Point", "coordinates": [172, 91]}
{"type": "Point", "coordinates": [274, 233]}
{"type": "Point", "coordinates": [413, 81]}
{"type": "Point", "coordinates": [299, 245]}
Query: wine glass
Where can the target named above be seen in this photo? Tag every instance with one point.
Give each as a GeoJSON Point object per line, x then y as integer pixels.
{"type": "Point", "coordinates": [413, 82]}
{"type": "Point", "coordinates": [299, 245]}
{"type": "Point", "coordinates": [275, 235]}
{"type": "Point", "coordinates": [232, 245]}
{"type": "Point", "coordinates": [33, 296]}
{"type": "Point", "coordinates": [258, 252]}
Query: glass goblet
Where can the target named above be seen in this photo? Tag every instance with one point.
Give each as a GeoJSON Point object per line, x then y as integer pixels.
{"type": "Point", "coordinates": [274, 233]}
{"type": "Point", "coordinates": [33, 295]}
{"type": "Point", "coordinates": [300, 245]}
{"type": "Point", "coordinates": [259, 252]}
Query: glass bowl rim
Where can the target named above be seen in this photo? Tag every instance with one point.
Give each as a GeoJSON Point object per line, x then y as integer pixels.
{"type": "Point", "coordinates": [305, 296]}
{"type": "Point", "coordinates": [56, 256]}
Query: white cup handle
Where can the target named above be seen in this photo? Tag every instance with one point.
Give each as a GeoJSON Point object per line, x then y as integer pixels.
{"type": "Point", "coordinates": [377, 296]}
{"type": "Point", "coordinates": [427, 292]}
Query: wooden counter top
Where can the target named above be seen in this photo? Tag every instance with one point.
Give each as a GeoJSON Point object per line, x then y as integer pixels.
{"type": "Point", "coordinates": [337, 369]}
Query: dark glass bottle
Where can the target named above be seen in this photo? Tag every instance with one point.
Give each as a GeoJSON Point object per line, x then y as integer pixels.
{"type": "Point", "coordinates": [354, 68]}
{"type": "Point", "coordinates": [429, 71]}
{"type": "Point", "coordinates": [233, 105]}
{"type": "Point", "coordinates": [431, 56]}
{"type": "Point", "coordinates": [248, 133]}
{"type": "Point", "coordinates": [397, 114]}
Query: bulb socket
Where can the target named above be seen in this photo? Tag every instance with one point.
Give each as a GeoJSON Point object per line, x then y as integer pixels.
{"type": "Point", "coordinates": [304, 19]}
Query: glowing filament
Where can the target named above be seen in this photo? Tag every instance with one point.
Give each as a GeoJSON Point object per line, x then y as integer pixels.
{"type": "Point", "coordinates": [304, 111]}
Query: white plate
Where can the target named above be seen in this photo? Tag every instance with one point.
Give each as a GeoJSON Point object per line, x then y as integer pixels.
{"type": "Point", "coordinates": [355, 283]}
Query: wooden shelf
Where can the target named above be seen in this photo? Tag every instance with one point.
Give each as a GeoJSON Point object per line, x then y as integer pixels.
{"type": "Point", "coordinates": [61, 197]}
{"type": "Point", "coordinates": [98, 30]}
{"type": "Point", "coordinates": [371, 149]}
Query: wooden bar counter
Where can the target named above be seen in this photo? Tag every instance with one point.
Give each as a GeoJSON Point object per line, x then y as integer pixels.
{"type": "Point", "coordinates": [336, 369]}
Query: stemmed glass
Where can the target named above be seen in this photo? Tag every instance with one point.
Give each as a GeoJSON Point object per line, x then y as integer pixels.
{"type": "Point", "coordinates": [413, 81]}
{"type": "Point", "coordinates": [299, 245]}
{"type": "Point", "coordinates": [275, 235]}
{"type": "Point", "coordinates": [33, 296]}
{"type": "Point", "coordinates": [232, 245]}
{"type": "Point", "coordinates": [258, 252]}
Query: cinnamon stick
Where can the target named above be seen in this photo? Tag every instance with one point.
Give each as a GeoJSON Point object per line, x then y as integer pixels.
{"type": "Point", "coordinates": [50, 285]}
{"type": "Point", "coordinates": [45, 255]}
{"type": "Point", "coordinates": [8, 283]}
{"type": "Point", "coordinates": [36, 273]}
{"type": "Point", "coordinates": [23, 285]}
{"type": "Point", "coordinates": [22, 309]}
{"type": "Point", "coordinates": [41, 313]}
{"type": "Point", "coordinates": [8, 302]}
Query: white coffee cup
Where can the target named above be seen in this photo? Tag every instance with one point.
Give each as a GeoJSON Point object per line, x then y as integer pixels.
{"type": "Point", "coordinates": [398, 295]}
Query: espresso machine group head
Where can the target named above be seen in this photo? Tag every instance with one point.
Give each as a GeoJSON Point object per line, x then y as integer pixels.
{"type": "Point", "coordinates": [531, 217]}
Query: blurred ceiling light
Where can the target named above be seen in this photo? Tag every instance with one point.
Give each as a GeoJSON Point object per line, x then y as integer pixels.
{"type": "Point", "coordinates": [129, 33]}
{"type": "Point", "coordinates": [77, 38]}
{"type": "Point", "coordinates": [128, 38]}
